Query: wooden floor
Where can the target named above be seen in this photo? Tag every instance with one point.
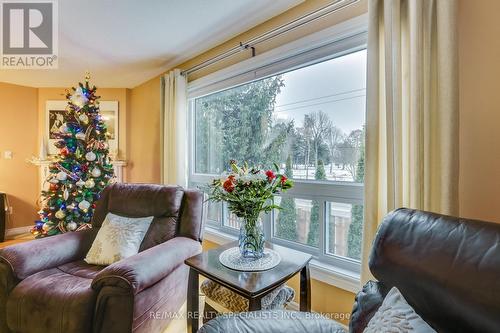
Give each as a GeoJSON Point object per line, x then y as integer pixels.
{"type": "Point", "coordinates": [16, 240]}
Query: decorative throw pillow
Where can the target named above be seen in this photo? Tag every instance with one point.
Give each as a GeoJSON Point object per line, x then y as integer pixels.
{"type": "Point", "coordinates": [119, 237]}
{"type": "Point", "coordinates": [395, 315]}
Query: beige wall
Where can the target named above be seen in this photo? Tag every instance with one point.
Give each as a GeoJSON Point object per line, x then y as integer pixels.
{"type": "Point", "coordinates": [144, 133]}
{"type": "Point", "coordinates": [479, 109]}
{"type": "Point", "coordinates": [18, 133]}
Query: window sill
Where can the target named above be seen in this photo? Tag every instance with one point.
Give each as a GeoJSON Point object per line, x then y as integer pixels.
{"type": "Point", "coordinates": [320, 271]}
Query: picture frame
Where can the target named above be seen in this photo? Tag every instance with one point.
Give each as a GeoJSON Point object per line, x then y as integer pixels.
{"type": "Point", "coordinates": [56, 115]}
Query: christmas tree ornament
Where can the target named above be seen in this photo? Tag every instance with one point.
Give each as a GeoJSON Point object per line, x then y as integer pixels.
{"type": "Point", "coordinates": [64, 151]}
{"type": "Point", "coordinates": [60, 214]}
{"type": "Point", "coordinates": [84, 205]}
{"type": "Point", "coordinates": [79, 98]}
{"type": "Point", "coordinates": [90, 156]}
{"type": "Point", "coordinates": [71, 226]}
{"type": "Point", "coordinates": [80, 183]}
{"type": "Point", "coordinates": [63, 129]}
{"type": "Point", "coordinates": [66, 194]}
{"type": "Point", "coordinates": [53, 181]}
{"type": "Point", "coordinates": [61, 176]}
{"type": "Point", "coordinates": [46, 227]}
{"type": "Point", "coordinates": [89, 183]}
{"type": "Point", "coordinates": [84, 119]}
{"type": "Point", "coordinates": [96, 172]}
{"type": "Point", "coordinates": [80, 136]}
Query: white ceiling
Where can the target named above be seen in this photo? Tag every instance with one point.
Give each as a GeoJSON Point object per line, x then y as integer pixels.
{"type": "Point", "coordinates": [126, 42]}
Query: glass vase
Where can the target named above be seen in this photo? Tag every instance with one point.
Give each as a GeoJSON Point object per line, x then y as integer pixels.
{"type": "Point", "coordinates": [251, 239]}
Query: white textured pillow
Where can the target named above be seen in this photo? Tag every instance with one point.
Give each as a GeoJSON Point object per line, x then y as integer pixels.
{"type": "Point", "coordinates": [395, 315]}
{"type": "Point", "coordinates": [119, 237]}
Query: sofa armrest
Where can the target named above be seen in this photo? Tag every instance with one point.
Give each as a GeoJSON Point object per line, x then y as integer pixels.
{"type": "Point", "coordinates": [146, 268]}
{"type": "Point", "coordinates": [366, 304]}
{"type": "Point", "coordinates": [28, 258]}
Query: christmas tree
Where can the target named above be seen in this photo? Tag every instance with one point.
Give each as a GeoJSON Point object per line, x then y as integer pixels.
{"type": "Point", "coordinates": [80, 171]}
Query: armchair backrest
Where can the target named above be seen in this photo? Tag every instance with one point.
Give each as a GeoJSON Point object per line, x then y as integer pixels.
{"type": "Point", "coordinates": [447, 268]}
{"type": "Point", "coordinates": [176, 211]}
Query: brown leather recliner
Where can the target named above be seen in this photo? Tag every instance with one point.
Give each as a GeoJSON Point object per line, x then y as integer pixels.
{"type": "Point", "coordinates": [45, 286]}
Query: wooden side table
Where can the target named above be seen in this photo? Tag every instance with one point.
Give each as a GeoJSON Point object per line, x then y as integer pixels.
{"type": "Point", "coordinates": [251, 285]}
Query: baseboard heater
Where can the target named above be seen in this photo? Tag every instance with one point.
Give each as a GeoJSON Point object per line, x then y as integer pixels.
{"type": "Point", "coordinates": [3, 215]}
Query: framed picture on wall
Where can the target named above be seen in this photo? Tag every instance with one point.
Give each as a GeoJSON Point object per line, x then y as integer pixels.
{"type": "Point", "coordinates": [57, 115]}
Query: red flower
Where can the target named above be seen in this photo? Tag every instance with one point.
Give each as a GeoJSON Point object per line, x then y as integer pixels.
{"type": "Point", "coordinates": [283, 179]}
{"type": "Point", "coordinates": [228, 184]}
{"type": "Point", "coordinates": [270, 175]}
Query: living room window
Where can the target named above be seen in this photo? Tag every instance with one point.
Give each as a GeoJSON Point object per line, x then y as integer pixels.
{"type": "Point", "coordinates": [306, 113]}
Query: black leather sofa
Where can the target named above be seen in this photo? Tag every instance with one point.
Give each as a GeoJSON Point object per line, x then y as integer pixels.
{"type": "Point", "coordinates": [447, 268]}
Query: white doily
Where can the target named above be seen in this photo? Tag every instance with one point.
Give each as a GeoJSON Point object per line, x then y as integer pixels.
{"type": "Point", "coordinates": [232, 258]}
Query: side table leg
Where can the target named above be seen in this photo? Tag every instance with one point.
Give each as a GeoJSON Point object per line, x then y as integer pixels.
{"type": "Point", "coordinates": [254, 304]}
{"type": "Point", "coordinates": [193, 300]}
{"type": "Point", "coordinates": [305, 289]}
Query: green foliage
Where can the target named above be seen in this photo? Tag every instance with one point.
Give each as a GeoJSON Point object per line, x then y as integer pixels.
{"type": "Point", "coordinates": [237, 124]}
{"type": "Point", "coordinates": [354, 236]}
{"type": "Point", "coordinates": [286, 224]}
{"type": "Point", "coordinates": [313, 235]}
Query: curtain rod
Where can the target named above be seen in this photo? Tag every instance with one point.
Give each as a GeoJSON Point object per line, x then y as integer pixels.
{"type": "Point", "coordinates": [283, 29]}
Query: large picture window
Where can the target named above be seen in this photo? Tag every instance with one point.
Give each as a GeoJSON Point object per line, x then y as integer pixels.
{"type": "Point", "coordinates": [310, 121]}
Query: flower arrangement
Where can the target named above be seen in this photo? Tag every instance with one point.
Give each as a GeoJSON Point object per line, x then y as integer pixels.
{"type": "Point", "coordinates": [249, 191]}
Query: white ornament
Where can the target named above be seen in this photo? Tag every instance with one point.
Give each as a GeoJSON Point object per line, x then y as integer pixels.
{"type": "Point", "coordinates": [83, 118]}
{"type": "Point", "coordinates": [84, 205]}
{"type": "Point", "coordinates": [63, 128]}
{"type": "Point", "coordinates": [80, 183]}
{"type": "Point", "coordinates": [65, 194]}
{"type": "Point", "coordinates": [96, 172]}
{"type": "Point", "coordinates": [62, 175]}
{"type": "Point", "coordinates": [53, 181]}
{"type": "Point", "coordinates": [71, 226]}
{"type": "Point", "coordinates": [46, 227]}
{"type": "Point", "coordinates": [70, 206]}
{"type": "Point", "coordinates": [90, 156]}
{"type": "Point", "coordinates": [78, 98]}
{"type": "Point", "coordinates": [60, 214]}
{"type": "Point", "coordinates": [89, 183]}
{"type": "Point", "coordinates": [80, 136]}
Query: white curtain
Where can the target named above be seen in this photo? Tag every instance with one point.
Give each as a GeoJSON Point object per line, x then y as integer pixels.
{"type": "Point", "coordinates": [412, 111]}
{"type": "Point", "coordinates": [174, 129]}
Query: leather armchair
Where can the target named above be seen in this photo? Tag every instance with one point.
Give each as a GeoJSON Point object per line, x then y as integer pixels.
{"type": "Point", "coordinates": [447, 268]}
{"type": "Point", "coordinates": [45, 286]}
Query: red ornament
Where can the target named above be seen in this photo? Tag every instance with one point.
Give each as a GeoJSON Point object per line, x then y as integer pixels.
{"type": "Point", "coordinates": [53, 187]}
{"type": "Point", "coordinates": [64, 151]}
{"type": "Point", "coordinates": [85, 167]}
{"type": "Point", "coordinates": [283, 179]}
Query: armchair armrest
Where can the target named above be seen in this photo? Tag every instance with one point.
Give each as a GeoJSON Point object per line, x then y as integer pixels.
{"type": "Point", "coordinates": [28, 258]}
{"type": "Point", "coordinates": [144, 269]}
{"type": "Point", "coordinates": [366, 304]}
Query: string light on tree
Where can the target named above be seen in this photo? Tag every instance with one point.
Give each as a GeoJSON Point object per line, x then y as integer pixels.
{"type": "Point", "coordinates": [81, 170]}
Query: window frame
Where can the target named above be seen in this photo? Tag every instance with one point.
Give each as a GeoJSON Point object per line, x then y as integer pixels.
{"type": "Point", "coordinates": [339, 40]}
